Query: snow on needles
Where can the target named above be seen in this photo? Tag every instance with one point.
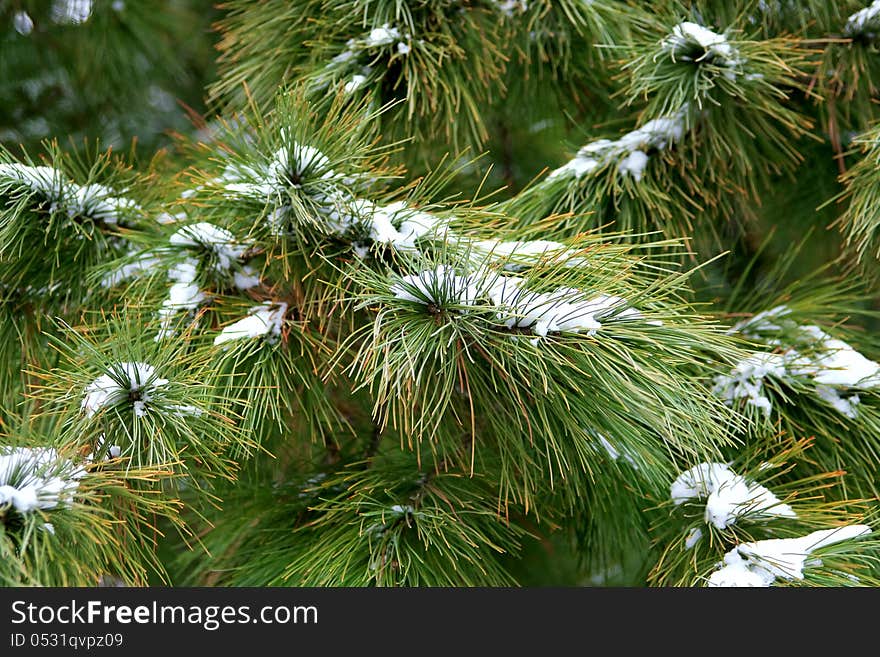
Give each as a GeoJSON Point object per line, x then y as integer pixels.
{"type": "Point", "coordinates": [440, 287]}
{"type": "Point", "coordinates": [864, 22]}
{"type": "Point", "coordinates": [225, 256]}
{"type": "Point", "coordinates": [630, 150]}
{"type": "Point", "coordinates": [564, 309]}
{"type": "Point", "coordinates": [135, 381]}
{"type": "Point", "coordinates": [289, 167]}
{"type": "Point", "coordinates": [761, 563]}
{"type": "Point", "coordinates": [747, 380]}
{"type": "Point", "coordinates": [219, 242]}
{"type": "Point", "coordinates": [728, 495]}
{"type": "Point", "coordinates": [510, 7]}
{"type": "Point", "coordinates": [693, 42]}
{"type": "Point", "coordinates": [263, 320]}
{"type": "Point", "coordinates": [93, 200]}
{"type": "Point", "coordinates": [36, 478]}
{"type": "Point", "coordinates": [803, 351]}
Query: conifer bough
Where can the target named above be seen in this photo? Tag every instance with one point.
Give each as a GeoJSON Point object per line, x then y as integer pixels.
{"type": "Point", "coordinates": [318, 343]}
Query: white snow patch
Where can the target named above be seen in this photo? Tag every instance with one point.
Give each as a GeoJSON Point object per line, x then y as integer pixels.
{"type": "Point", "coordinates": [219, 241]}
{"type": "Point", "coordinates": [746, 381]}
{"type": "Point", "coordinates": [357, 81]}
{"type": "Point", "coordinates": [92, 200]}
{"type": "Point", "coordinates": [382, 36]}
{"type": "Point", "coordinates": [263, 320]}
{"type": "Point", "coordinates": [143, 263]}
{"type": "Point", "coordinates": [23, 23]}
{"type": "Point", "coordinates": [693, 537]}
{"type": "Point", "coordinates": [634, 164]}
{"type": "Point", "coordinates": [714, 45]}
{"type": "Point", "coordinates": [73, 12]}
{"type": "Point", "coordinates": [118, 385]}
{"type": "Point", "coordinates": [440, 286]}
{"type": "Point", "coordinates": [629, 150]}
{"type": "Point", "coordinates": [728, 495]}
{"type": "Point", "coordinates": [831, 364]}
{"type": "Point", "coordinates": [564, 309]}
{"type": "Point", "coordinates": [864, 21]}
{"type": "Point", "coordinates": [36, 478]}
{"type": "Point", "coordinates": [761, 563]}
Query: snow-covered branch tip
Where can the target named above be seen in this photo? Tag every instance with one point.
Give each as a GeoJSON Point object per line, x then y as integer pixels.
{"type": "Point", "coordinates": [50, 185]}
{"type": "Point", "coordinates": [864, 23]}
{"type": "Point", "coordinates": [692, 42]}
{"type": "Point", "coordinates": [265, 320]}
{"type": "Point", "coordinates": [564, 310]}
{"type": "Point", "coordinates": [350, 59]}
{"type": "Point", "coordinates": [831, 365]}
{"type": "Point", "coordinates": [216, 250]}
{"type": "Point", "coordinates": [36, 478]}
{"type": "Point", "coordinates": [761, 563]}
{"type": "Point", "coordinates": [631, 151]}
{"type": "Point", "coordinates": [134, 383]}
{"type": "Point", "coordinates": [728, 496]}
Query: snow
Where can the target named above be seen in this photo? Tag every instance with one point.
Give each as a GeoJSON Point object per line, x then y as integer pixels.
{"type": "Point", "coordinates": [184, 294]}
{"type": "Point", "coordinates": [830, 364]}
{"type": "Point", "coordinates": [837, 363]}
{"type": "Point", "coordinates": [614, 453]}
{"type": "Point", "coordinates": [761, 322]}
{"type": "Point", "coordinates": [509, 7]}
{"type": "Point", "coordinates": [93, 200]}
{"type": "Point", "coordinates": [298, 159]}
{"type": "Point", "coordinates": [699, 481]}
{"type": "Point", "coordinates": [562, 310]}
{"type": "Point", "coordinates": [864, 20]}
{"type": "Point", "coordinates": [382, 222]}
{"type": "Point", "coordinates": [118, 384]}
{"type": "Point", "coordinates": [629, 150]}
{"type": "Point", "coordinates": [761, 563]}
{"type": "Point", "coordinates": [219, 241]}
{"type": "Point", "coordinates": [71, 11]}
{"type": "Point", "coordinates": [109, 451]}
{"type": "Point", "coordinates": [40, 179]}
{"type": "Point", "coordinates": [439, 287]}
{"type": "Point", "coordinates": [746, 381]}
{"type": "Point", "coordinates": [714, 45]}
{"type": "Point", "coordinates": [844, 405]}
{"type": "Point", "coordinates": [530, 251]}
{"type": "Point", "coordinates": [263, 320]}
{"type": "Point", "coordinates": [693, 537]}
{"type": "Point", "coordinates": [634, 164]}
{"type": "Point", "coordinates": [23, 23]}
{"type": "Point", "coordinates": [287, 167]}
{"type": "Point", "coordinates": [36, 478]}
{"type": "Point", "coordinates": [382, 36]}
{"type": "Point", "coordinates": [246, 278]}
{"type": "Point", "coordinates": [728, 495]}
{"type": "Point", "coordinates": [357, 81]}
{"type": "Point", "coordinates": [98, 202]}
{"type": "Point", "coordinates": [737, 497]}
{"type": "Point", "coordinates": [166, 218]}
{"type": "Point", "coordinates": [142, 263]}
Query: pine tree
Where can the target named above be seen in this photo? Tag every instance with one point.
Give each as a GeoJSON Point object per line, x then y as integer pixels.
{"type": "Point", "coordinates": [439, 292]}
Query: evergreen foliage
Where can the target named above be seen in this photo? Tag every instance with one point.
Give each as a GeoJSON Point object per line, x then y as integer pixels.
{"type": "Point", "coordinates": [439, 293]}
